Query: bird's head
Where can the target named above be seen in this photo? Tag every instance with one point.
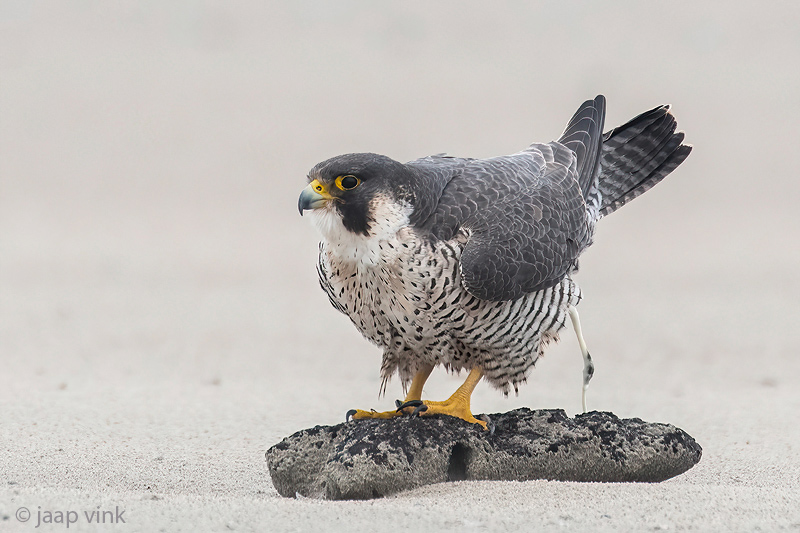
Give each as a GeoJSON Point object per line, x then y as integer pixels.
{"type": "Point", "coordinates": [359, 190]}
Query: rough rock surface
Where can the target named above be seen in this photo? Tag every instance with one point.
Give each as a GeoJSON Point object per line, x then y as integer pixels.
{"type": "Point", "coordinates": [372, 458]}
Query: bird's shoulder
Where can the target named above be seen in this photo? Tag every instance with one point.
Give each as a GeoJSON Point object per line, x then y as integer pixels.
{"type": "Point", "coordinates": [524, 213]}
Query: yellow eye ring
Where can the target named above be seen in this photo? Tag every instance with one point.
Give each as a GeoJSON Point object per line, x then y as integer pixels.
{"type": "Point", "coordinates": [345, 183]}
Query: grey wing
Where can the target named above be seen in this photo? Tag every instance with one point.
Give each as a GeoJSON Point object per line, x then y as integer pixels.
{"type": "Point", "coordinates": [436, 172]}
{"type": "Point", "coordinates": [526, 220]}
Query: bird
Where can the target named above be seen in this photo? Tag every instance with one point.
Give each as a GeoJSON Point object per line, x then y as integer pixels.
{"type": "Point", "coordinates": [468, 263]}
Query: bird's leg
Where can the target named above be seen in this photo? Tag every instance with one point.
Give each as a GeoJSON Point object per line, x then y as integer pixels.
{"type": "Point", "coordinates": [457, 405]}
{"type": "Point", "coordinates": [413, 398]}
{"type": "Point", "coordinates": [415, 390]}
{"type": "Point", "coordinates": [588, 365]}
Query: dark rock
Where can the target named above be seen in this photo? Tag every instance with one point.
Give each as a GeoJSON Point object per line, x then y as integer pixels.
{"type": "Point", "coordinates": [365, 459]}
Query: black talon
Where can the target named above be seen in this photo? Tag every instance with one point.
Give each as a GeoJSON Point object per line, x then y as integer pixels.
{"type": "Point", "coordinates": [350, 414]}
{"type": "Point", "coordinates": [398, 403]}
{"type": "Point", "coordinates": [489, 424]}
{"type": "Point", "coordinates": [411, 403]}
{"type": "Point", "coordinates": [419, 409]}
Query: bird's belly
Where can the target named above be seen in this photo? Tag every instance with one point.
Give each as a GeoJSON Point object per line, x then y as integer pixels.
{"type": "Point", "coordinates": [417, 310]}
{"type": "Point", "coordinates": [499, 325]}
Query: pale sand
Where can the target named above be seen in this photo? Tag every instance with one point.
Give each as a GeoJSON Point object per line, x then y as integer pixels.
{"type": "Point", "coordinates": [160, 319]}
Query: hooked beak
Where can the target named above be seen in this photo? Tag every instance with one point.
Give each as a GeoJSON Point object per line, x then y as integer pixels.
{"type": "Point", "coordinates": [313, 197]}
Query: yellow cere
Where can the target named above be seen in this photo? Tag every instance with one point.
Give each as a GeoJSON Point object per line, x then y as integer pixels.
{"type": "Point", "coordinates": [318, 187]}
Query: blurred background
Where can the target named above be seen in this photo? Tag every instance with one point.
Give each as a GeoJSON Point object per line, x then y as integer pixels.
{"type": "Point", "coordinates": [156, 279]}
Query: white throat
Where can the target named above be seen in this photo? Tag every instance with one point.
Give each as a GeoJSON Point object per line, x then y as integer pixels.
{"type": "Point", "coordinates": [388, 217]}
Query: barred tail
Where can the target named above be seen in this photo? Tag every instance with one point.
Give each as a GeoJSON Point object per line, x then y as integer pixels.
{"type": "Point", "coordinates": [636, 156]}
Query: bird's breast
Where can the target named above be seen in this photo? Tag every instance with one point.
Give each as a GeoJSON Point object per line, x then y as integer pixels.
{"type": "Point", "coordinates": [391, 299]}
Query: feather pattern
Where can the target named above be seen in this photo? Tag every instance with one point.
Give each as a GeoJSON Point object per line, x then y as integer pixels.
{"type": "Point", "coordinates": [468, 262]}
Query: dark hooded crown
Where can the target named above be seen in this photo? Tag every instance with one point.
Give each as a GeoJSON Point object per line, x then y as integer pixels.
{"type": "Point", "coordinates": [378, 174]}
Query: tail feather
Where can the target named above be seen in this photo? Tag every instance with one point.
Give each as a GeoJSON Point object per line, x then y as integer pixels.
{"type": "Point", "coordinates": [636, 156]}
{"type": "Point", "coordinates": [583, 135]}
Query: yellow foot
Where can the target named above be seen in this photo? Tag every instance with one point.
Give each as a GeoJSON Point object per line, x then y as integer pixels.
{"type": "Point", "coordinates": [456, 405]}
{"type": "Point", "coordinates": [358, 414]}
{"type": "Point", "coordinates": [450, 407]}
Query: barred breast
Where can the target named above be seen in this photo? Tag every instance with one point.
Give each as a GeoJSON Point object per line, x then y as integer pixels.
{"type": "Point", "coordinates": [409, 300]}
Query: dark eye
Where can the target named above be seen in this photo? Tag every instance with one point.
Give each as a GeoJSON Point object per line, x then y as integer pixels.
{"type": "Point", "coordinates": [347, 182]}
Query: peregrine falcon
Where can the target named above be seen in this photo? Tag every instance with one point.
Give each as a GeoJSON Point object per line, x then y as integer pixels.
{"type": "Point", "coordinates": [468, 263]}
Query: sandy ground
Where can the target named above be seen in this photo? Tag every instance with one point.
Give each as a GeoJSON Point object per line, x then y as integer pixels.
{"type": "Point", "coordinates": [160, 320]}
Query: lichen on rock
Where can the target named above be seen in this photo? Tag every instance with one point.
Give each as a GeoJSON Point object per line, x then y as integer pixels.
{"type": "Point", "coordinates": [372, 458]}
